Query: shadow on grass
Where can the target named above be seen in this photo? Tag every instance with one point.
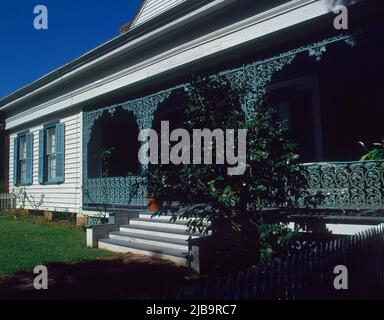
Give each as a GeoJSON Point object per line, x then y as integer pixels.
{"type": "Point", "coordinates": [125, 277]}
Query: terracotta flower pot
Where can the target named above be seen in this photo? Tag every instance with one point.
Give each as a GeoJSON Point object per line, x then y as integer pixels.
{"type": "Point", "coordinates": [152, 205]}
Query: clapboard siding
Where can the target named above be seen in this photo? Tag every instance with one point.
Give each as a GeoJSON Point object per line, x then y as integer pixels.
{"type": "Point", "coordinates": [65, 196]}
{"type": "Point", "coordinates": [153, 8]}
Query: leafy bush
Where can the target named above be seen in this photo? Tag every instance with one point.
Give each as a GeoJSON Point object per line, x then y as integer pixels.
{"type": "Point", "coordinates": [233, 205]}
{"type": "Point", "coordinates": [377, 153]}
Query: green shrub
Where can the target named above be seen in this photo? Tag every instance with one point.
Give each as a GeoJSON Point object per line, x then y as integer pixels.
{"type": "Point", "coordinates": [234, 204]}
{"type": "Point", "coordinates": [377, 153]}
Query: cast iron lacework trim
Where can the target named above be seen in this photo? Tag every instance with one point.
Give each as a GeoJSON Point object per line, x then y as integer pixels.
{"type": "Point", "coordinates": [121, 190]}
{"type": "Point", "coordinates": [118, 191]}
{"type": "Point", "coordinates": [257, 75]}
{"type": "Point", "coordinates": [346, 185]}
{"type": "Point", "coordinates": [92, 221]}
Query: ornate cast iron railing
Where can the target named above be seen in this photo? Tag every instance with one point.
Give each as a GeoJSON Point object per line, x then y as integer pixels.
{"type": "Point", "coordinates": [120, 191]}
{"type": "Point", "coordinates": [256, 75]}
{"type": "Point", "coordinates": [346, 185]}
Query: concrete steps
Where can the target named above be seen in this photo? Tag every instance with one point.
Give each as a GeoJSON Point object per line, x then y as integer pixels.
{"type": "Point", "coordinates": [157, 241]}
{"type": "Point", "coordinates": [176, 255]}
{"type": "Point", "coordinates": [144, 222]}
{"type": "Point", "coordinates": [155, 231]}
{"type": "Point", "coordinates": [146, 215]}
{"type": "Point", "coordinates": [153, 236]}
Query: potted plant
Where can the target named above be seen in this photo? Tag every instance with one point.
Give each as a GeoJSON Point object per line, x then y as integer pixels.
{"type": "Point", "coordinates": [155, 182]}
{"type": "Point", "coordinates": [153, 206]}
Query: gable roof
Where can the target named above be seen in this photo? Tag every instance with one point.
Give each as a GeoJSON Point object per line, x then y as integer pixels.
{"type": "Point", "coordinates": [153, 8]}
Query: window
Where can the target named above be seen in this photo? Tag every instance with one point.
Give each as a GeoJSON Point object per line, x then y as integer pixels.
{"type": "Point", "coordinates": [22, 159]}
{"type": "Point", "coordinates": [51, 154]}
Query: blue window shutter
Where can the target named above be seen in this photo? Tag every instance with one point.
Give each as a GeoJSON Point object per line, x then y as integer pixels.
{"type": "Point", "coordinates": [29, 157]}
{"type": "Point", "coordinates": [41, 157]}
{"type": "Point", "coordinates": [60, 146]}
{"type": "Point", "coordinates": [15, 160]}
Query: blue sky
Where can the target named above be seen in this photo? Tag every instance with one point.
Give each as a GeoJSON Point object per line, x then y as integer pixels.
{"type": "Point", "coordinates": [75, 26]}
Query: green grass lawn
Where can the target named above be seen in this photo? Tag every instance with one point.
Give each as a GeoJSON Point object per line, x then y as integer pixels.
{"type": "Point", "coordinates": [24, 245]}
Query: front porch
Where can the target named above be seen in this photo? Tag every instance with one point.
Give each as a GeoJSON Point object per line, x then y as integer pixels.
{"type": "Point", "coordinates": [310, 110]}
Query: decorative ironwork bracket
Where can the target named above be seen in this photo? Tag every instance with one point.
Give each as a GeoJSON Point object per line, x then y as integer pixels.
{"type": "Point", "coordinates": [258, 74]}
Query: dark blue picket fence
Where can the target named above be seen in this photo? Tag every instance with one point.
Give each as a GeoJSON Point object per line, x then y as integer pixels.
{"type": "Point", "coordinates": [306, 275]}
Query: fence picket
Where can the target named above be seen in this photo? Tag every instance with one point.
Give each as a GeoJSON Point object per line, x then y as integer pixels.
{"type": "Point", "coordinates": [7, 201]}
{"type": "Point", "coordinates": [249, 284]}
{"type": "Point", "coordinates": [259, 283]}
{"type": "Point", "coordinates": [230, 288]}
{"type": "Point", "coordinates": [240, 286]}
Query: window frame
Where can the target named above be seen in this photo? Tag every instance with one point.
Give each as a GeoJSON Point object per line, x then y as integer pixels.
{"type": "Point", "coordinates": [20, 180]}
{"type": "Point", "coordinates": [22, 159]}
{"type": "Point", "coordinates": [49, 157]}
{"type": "Point", "coordinates": [46, 179]}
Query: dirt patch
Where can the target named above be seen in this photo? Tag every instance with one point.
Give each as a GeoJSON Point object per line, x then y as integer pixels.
{"type": "Point", "coordinates": [125, 277]}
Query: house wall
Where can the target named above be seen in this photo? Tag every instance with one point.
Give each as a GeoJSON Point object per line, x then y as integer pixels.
{"type": "Point", "coordinates": [65, 197]}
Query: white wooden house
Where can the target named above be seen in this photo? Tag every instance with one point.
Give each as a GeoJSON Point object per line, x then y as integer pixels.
{"type": "Point", "coordinates": [287, 50]}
